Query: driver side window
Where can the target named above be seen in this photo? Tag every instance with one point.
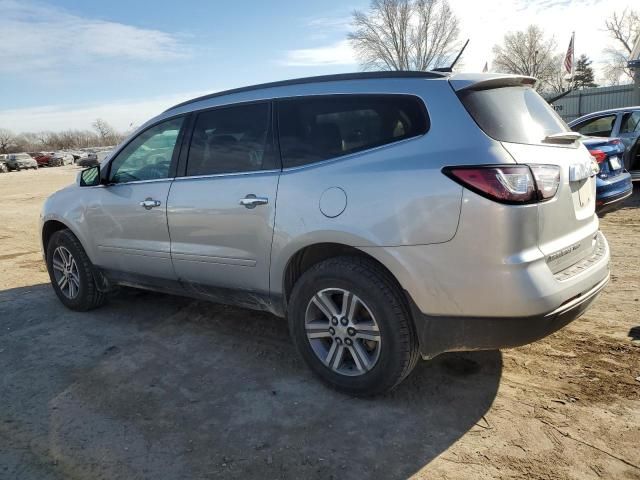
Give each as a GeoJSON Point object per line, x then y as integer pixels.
{"type": "Point", "coordinates": [148, 156]}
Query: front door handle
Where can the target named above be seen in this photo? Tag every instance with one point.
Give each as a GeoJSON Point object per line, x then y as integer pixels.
{"type": "Point", "coordinates": [251, 201]}
{"type": "Point", "coordinates": [149, 203]}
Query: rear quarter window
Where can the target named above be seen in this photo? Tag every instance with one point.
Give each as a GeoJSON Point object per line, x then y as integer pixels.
{"type": "Point", "coordinates": [512, 114]}
{"type": "Point", "coordinates": [318, 128]}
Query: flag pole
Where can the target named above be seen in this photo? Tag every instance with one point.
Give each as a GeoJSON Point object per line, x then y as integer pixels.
{"type": "Point", "coordinates": [573, 54]}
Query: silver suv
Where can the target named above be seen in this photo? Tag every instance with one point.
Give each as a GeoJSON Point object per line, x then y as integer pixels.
{"type": "Point", "coordinates": [386, 215]}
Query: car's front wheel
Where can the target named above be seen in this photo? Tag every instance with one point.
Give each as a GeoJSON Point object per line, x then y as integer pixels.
{"type": "Point", "coordinates": [351, 325]}
{"type": "Point", "coordinates": [71, 272]}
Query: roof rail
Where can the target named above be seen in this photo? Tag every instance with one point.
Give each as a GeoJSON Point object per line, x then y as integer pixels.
{"type": "Point", "coordinates": [318, 79]}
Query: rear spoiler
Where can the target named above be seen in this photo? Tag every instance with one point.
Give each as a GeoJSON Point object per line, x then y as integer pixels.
{"type": "Point", "coordinates": [466, 82]}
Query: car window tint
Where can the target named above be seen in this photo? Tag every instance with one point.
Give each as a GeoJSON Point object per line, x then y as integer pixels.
{"type": "Point", "coordinates": [148, 156]}
{"type": "Point", "coordinates": [630, 123]}
{"type": "Point", "coordinates": [597, 127]}
{"type": "Point", "coordinates": [231, 139]}
{"type": "Point", "coordinates": [512, 114]}
{"type": "Point", "coordinates": [323, 127]}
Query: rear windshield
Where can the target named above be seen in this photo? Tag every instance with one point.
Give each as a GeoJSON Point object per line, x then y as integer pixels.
{"type": "Point", "coordinates": [513, 114]}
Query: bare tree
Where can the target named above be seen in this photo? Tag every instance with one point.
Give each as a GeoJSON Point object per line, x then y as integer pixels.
{"type": "Point", "coordinates": [52, 141]}
{"type": "Point", "coordinates": [405, 35]}
{"type": "Point", "coordinates": [558, 82]}
{"type": "Point", "coordinates": [528, 53]}
{"type": "Point", "coordinates": [624, 28]}
{"type": "Point", "coordinates": [6, 138]}
{"type": "Point", "coordinates": [105, 131]}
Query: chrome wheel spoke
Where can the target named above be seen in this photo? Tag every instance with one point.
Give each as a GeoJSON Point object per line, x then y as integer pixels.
{"type": "Point", "coordinates": [330, 354]}
{"type": "Point", "coordinates": [325, 304]}
{"type": "Point", "coordinates": [63, 255]}
{"type": "Point", "coordinates": [362, 356]}
{"type": "Point", "coordinates": [356, 359]}
{"type": "Point", "coordinates": [317, 330]}
{"type": "Point", "coordinates": [336, 361]}
{"type": "Point", "coordinates": [373, 336]}
{"type": "Point", "coordinates": [367, 327]}
{"type": "Point", "coordinates": [349, 306]}
{"type": "Point", "coordinates": [65, 272]}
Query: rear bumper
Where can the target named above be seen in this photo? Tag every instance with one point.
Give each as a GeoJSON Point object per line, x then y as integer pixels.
{"type": "Point", "coordinates": [611, 193]}
{"type": "Point", "coordinates": [448, 334]}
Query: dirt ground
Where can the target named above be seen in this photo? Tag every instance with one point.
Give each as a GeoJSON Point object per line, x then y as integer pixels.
{"type": "Point", "coordinates": [159, 387]}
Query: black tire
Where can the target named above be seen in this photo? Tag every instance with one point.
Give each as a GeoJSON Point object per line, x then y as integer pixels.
{"type": "Point", "coordinates": [88, 296]}
{"type": "Point", "coordinates": [398, 353]}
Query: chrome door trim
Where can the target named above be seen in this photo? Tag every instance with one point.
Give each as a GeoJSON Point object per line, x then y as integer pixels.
{"type": "Point", "coordinates": [231, 174]}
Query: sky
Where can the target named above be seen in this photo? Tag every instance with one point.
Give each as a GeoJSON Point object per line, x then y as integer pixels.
{"type": "Point", "coordinates": [65, 63]}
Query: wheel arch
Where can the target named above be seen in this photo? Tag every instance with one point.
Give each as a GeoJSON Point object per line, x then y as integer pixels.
{"type": "Point", "coordinates": [309, 255]}
{"type": "Point", "coordinates": [53, 225]}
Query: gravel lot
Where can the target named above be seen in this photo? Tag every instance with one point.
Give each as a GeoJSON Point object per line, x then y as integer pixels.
{"type": "Point", "coordinates": [160, 387]}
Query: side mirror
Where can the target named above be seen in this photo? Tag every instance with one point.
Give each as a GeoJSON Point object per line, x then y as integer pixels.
{"type": "Point", "coordinates": [90, 177]}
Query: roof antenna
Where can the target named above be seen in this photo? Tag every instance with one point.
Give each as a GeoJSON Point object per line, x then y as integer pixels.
{"type": "Point", "coordinates": [449, 69]}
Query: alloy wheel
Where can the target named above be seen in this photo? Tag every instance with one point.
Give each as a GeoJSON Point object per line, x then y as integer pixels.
{"type": "Point", "coordinates": [342, 332]}
{"type": "Point", "coordinates": [65, 271]}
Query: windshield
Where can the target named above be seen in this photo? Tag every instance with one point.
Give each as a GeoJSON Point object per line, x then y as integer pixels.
{"type": "Point", "coordinates": [513, 114]}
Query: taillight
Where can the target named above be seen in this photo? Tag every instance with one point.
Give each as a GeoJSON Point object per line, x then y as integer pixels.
{"type": "Point", "coordinates": [518, 184]}
{"type": "Point", "coordinates": [599, 155]}
{"type": "Point", "coordinates": [547, 179]}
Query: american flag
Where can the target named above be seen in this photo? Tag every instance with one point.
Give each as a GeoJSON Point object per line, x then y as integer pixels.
{"type": "Point", "coordinates": [568, 59]}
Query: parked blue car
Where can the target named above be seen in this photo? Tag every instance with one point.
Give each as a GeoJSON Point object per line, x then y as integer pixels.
{"type": "Point", "coordinates": [622, 123]}
{"type": "Point", "coordinates": [613, 182]}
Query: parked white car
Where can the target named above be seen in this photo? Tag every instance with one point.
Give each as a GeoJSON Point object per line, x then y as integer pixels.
{"type": "Point", "coordinates": [21, 161]}
{"type": "Point", "coordinates": [60, 158]}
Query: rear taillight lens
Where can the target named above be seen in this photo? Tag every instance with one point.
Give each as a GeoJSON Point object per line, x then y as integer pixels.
{"type": "Point", "coordinates": [547, 179]}
{"type": "Point", "coordinates": [599, 155]}
{"type": "Point", "coordinates": [516, 184]}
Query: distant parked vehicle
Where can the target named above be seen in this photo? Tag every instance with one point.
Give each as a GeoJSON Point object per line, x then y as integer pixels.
{"type": "Point", "coordinates": [21, 161]}
{"type": "Point", "coordinates": [42, 158]}
{"type": "Point", "coordinates": [59, 159]}
{"type": "Point", "coordinates": [3, 164]}
{"type": "Point", "coordinates": [613, 182]}
{"type": "Point", "coordinates": [623, 123]}
{"type": "Point", "coordinates": [89, 160]}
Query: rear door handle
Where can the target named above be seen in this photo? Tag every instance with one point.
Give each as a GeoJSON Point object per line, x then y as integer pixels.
{"type": "Point", "coordinates": [251, 201]}
{"type": "Point", "coordinates": [149, 203]}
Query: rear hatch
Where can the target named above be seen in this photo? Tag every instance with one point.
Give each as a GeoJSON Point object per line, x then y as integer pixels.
{"type": "Point", "coordinates": [510, 111]}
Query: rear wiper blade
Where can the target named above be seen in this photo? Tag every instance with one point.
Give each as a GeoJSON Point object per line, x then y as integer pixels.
{"type": "Point", "coordinates": [562, 137]}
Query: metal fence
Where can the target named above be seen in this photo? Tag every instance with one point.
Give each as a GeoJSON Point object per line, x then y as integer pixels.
{"type": "Point", "coordinates": [581, 102]}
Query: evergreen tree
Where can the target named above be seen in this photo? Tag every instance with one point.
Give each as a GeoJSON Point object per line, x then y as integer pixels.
{"type": "Point", "coordinates": [583, 74]}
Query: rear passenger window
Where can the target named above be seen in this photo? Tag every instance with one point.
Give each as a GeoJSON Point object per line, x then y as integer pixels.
{"type": "Point", "coordinates": [323, 127]}
{"type": "Point", "coordinates": [630, 122]}
{"type": "Point", "coordinates": [231, 139]}
{"type": "Point", "coordinates": [597, 127]}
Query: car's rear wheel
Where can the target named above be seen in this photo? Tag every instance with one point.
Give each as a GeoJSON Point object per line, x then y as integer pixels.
{"type": "Point", "coordinates": [71, 272]}
{"type": "Point", "coordinates": [352, 326]}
